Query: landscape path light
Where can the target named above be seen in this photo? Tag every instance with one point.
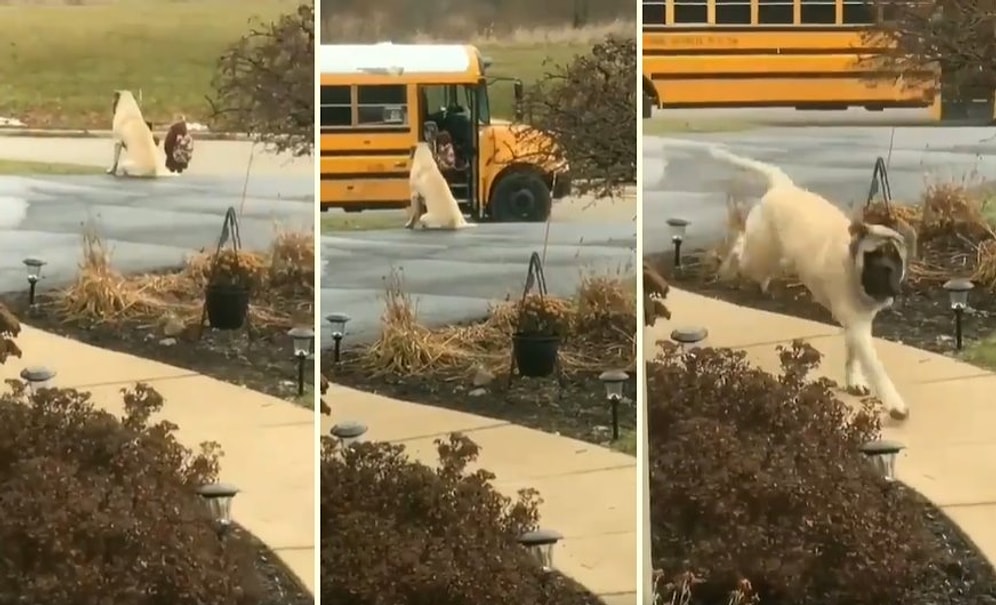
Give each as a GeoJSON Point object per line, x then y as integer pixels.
{"type": "Point", "coordinates": [338, 322]}
{"type": "Point", "coordinates": [677, 227]}
{"type": "Point", "coordinates": [218, 497]}
{"type": "Point", "coordinates": [883, 454]}
{"type": "Point", "coordinates": [34, 267]}
{"type": "Point", "coordinates": [540, 545]}
{"type": "Point", "coordinates": [37, 377]}
{"type": "Point", "coordinates": [614, 381]}
{"type": "Point", "coordinates": [691, 337]}
{"type": "Point", "coordinates": [349, 433]}
{"type": "Point", "coordinates": [958, 290]}
{"type": "Point", "coordinates": [304, 345]}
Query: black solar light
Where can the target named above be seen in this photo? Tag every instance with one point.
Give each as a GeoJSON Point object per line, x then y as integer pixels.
{"type": "Point", "coordinates": [883, 454]}
{"type": "Point", "coordinates": [614, 381]}
{"type": "Point", "coordinates": [349, 433]}
{"type": "Point", "coordinates": [338, 322]}
{"type": "Point", "coordinates": [678, 227]}
{"type": "Point", "coordinates": [218, 497]}
{"type": "Point", "coordinates": [540, 544]}
{"type": "Point", "coordinates": [304, 345]}
{"type": "Point", "coordinates": [958, 290]}
{"type": "Point", "coordinates": [689, 338]}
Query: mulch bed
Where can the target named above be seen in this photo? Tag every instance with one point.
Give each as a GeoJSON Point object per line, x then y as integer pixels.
{"type": "Point", "coordinates": [279, 584]}
{"type": "Point", "coordinates": [966, 577]}
{"type": "Point", "coordinates": [920, 318]}
{"type": "Point", "coordinates": [266, 364]}
{"type": "Point", "coordinates": [579, 410]}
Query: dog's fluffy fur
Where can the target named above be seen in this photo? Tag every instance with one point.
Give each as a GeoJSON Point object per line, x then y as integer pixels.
{"type": "Point", "coordinates": [851, 268]}
{"type": "Point", "coordinates": [132, 134]}
{"type": "Point", "coordinates": [432, 203]}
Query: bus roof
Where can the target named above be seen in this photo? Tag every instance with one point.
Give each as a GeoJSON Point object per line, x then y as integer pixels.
{"type": "Point", "coordinates": [399, 59]}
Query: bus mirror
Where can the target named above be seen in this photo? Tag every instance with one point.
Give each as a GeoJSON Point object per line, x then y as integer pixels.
{"type": "Point", "coordinates": [518, 94]}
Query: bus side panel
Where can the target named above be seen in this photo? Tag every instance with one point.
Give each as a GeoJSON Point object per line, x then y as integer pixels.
{"type": "Point", "coordinates": [829, 69]}
{"type": "Point", "coordinates": [789, 92]}
{"type": "Point", "coordinates": [365, 170]}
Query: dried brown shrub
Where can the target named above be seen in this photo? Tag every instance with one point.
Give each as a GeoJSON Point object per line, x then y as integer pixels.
{"type": "Point", "coordinates": [758, 477]}
{"type": "Point", "coordinates": [398, 531]}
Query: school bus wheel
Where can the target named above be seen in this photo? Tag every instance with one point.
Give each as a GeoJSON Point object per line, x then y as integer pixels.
{"type": "Point", "coordinates": [521, 196]}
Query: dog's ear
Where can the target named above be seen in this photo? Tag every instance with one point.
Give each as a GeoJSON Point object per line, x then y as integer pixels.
{"type": "Point", "coordinates": [858, 229]}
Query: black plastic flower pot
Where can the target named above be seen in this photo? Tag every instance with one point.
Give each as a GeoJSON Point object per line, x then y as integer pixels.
{"type": "Point", "coordinates": [227, 306]}
{"type": "Point", "coordinates": [535, 355]}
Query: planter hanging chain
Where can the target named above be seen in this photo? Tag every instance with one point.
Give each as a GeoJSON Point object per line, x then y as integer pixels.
{"type": "Point", "coordinates": [880, 184]}
{"type": "Point", "coordinates": [535, 281]}
{"type": "Point", "coordinates": [230, 233]}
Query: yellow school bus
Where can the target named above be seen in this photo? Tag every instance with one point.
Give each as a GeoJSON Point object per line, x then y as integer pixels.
{"type": "Point", "coordinates": [806, 54]}
{"type": "Point", "coordinates": [379, 100]}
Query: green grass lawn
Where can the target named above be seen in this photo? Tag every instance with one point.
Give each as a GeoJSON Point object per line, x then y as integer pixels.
{"type": "Point", "coordinates": [666, 126]}
{"type": "Point", "coordinates": [526, 62]}
{"type": "Point", "coordinates": [19, 168]}
{"type": "Point", "coordinates": [371, 220]}
{"type": "Point", "coordinates": [59, 65]}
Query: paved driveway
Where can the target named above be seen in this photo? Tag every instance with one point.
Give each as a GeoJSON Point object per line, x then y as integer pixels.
{"type": "Point", "coordinates": [149, 224]}
{"type": "Point", "coordinates": [454, 275]}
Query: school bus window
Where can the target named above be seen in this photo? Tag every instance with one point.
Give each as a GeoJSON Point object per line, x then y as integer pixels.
{"type": "Point", "coordinates": [857, 12]}
{"type": "Point", "coordinates": [691, 11]}
{"type": "Point", "coordinates": [653, 12]}
{"type": "Point", "coordinates": [775, 12]}
{"type": "Point", "coordinates": [483, 104]}
{"type": "Point", "coordinates": [336, 107]}
{"type": "Point", "coordinates": [382, 104]}
{"type": "Point", "coordinates": [733, 12]}
{"type": "Point", "coordinates": [818, 12]}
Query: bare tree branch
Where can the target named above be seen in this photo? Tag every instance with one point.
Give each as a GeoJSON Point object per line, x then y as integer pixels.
{"type": "Point", "coordinates": [265, 85]}
{"type": "Point", "coordinates": [587, 112]}
{"type": "Point", "coordinates": [956, 36]}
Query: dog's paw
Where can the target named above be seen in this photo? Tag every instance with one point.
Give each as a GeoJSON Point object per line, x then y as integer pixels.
{"type": "Point", "coordinates": [858, 388]}
{"type": "Point", "coordinates": [899, 413]}
{"type": "Point", "coordinates": [111, 172]}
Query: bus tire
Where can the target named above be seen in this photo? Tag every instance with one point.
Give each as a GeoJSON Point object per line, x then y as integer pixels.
{"type": "Point", "coordinates": [521, 196]}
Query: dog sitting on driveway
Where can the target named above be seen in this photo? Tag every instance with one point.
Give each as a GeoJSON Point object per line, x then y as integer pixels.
{"type": "Point", "coordinates": [851, 268]}
{"type": "Point", "coordinates": [132, 134]}
{"type": "Point", "coordinates": [432, 203]}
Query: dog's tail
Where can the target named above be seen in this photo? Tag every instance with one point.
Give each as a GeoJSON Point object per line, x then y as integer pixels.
{"type": "Point", "coordinates": [774, 175]}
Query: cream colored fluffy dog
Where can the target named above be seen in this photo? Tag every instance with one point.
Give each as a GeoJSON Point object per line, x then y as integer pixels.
{"type": "Point", "coordinates": [132, 134]}
{"type": "Point", "coordinates": [851, 268]}
{"type": "Point", "coordinates": [431, 194]}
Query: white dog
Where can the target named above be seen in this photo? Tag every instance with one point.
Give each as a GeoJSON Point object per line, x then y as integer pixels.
{"type": "Point", "coordinates": [429, 188]}
{"type": "Point", "coordinates": [132, 134]}
{"type": "Point", "coordinates": [851, 268]}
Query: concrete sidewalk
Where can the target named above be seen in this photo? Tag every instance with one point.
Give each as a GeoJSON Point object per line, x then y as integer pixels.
{"type": "Point", "coordinates": [269, 444]}
{"type": "Point", "coordinates": [589, 492]}
{"type": "Point", "coordinates": [951, 455]}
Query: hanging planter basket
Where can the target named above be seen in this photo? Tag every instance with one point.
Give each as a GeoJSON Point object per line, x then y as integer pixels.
{"type": "Point", "coordinates": [226, 296]}
{"type": "Point", "coordinates": [535, 354]}
{"type": "Point", "coordinates": [535, 344]}
{"type": "Point", "coordinates": [227, 306]}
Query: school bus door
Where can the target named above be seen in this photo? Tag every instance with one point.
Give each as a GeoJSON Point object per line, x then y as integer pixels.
{"type": "Point", "coordinates": [454, 108]}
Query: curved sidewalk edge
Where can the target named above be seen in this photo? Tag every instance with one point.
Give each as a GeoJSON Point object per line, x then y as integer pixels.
{"type": "Point", "coordinates": [268, 443]}
{"type": "Point", "coordinates": [951, 447]}
{"type": "Point", "coordinates": [588, 492]}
